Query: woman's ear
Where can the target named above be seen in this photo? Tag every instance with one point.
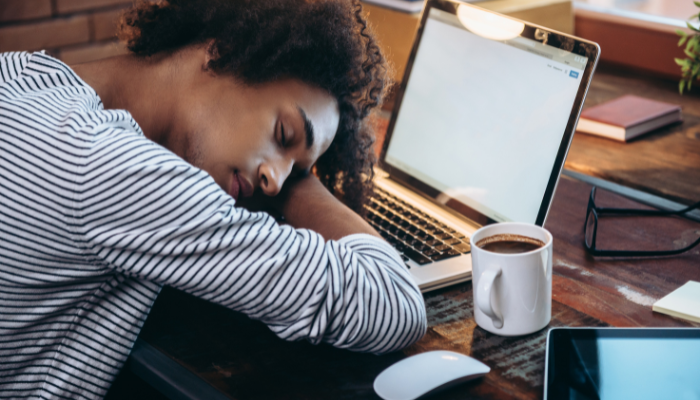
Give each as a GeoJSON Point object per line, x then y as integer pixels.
{"type": "Point", "coordinates": [210, 53]}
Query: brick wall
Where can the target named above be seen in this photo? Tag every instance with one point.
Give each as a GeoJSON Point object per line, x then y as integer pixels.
{"type": "Point", "coordinates": [73, 30]}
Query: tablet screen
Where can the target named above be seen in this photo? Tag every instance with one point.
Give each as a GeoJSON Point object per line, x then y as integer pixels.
{"type": "Point", "coordinates": [623, 364]}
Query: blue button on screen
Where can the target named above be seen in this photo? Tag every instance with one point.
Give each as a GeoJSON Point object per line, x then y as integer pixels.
{"type": "Point", "coordinates": [573, 74]}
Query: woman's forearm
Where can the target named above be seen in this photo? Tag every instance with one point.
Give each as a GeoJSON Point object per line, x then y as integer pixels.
{"type": "Point", "coordinates": [308, 204]}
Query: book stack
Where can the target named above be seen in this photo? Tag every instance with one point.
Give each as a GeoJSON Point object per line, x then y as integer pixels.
{"type": "Point", "coordinates": [627, 117]}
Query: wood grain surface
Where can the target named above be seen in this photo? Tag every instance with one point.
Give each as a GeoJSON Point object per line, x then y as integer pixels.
{"type": "Point", "coordinates": [665, 162]}
{"type": "Point", "coordinates": [243, 359]}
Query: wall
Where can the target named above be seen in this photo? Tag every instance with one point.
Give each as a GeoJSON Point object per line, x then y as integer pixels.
{"type": "Point", "coordinates": [73, 30]}
{"type": "Point", "coordinates": [633, 43]}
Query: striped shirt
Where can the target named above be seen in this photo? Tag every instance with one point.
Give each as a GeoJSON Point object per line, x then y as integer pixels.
{"type": "Point", "coordinates": [95, 218]}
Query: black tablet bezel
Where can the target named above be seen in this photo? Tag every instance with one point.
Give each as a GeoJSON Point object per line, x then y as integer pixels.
{"type": "Point", "coordinates": [578, 46]}
{"type": "Point", "coordinates": [631, 333]}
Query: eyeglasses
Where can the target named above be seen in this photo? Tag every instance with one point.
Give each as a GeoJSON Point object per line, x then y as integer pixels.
{"type": "Point", "coordinates": [591, 226]}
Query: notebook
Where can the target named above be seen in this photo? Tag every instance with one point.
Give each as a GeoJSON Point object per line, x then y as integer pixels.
{"type": "Point", "coordinates": [683, 302]}
{"type": "Point", "coordinates": [479, 132]}
{"type": "Point", "coordinates": [627, 117]}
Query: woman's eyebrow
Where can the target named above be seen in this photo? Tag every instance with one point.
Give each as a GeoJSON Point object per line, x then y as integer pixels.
{"type": "Point", "coordinates": [308, 127]}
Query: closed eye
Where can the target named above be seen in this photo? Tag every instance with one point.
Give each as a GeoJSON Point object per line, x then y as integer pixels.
{"type": "Point", "coordinates": [283, 136]}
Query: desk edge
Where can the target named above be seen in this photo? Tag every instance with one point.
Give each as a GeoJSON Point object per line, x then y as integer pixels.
{"type": "Point", "coordinates": [167, 376]}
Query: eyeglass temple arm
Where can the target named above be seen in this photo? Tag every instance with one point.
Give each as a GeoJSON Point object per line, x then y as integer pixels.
{"type": "Point", "coordinates": [632, 211]}
{"type": "Point", "coordinates": [626, 253]}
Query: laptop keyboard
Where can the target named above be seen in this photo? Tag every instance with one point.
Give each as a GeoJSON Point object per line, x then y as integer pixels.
{"type": "Point", "coordinates": [414, 234]}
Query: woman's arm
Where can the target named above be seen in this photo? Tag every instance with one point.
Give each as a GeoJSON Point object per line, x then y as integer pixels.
{"type": "Point", "coordinates": [145, 213]}
{"type": "Point", "coordinates": [306, 203]}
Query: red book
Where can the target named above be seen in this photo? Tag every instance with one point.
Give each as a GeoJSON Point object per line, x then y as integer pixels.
{"type": "Point", "coordinates": [627, 117]}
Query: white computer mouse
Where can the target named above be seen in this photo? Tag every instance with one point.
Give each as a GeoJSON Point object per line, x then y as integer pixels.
{"type": "Point", "coordinates": [425, 373]}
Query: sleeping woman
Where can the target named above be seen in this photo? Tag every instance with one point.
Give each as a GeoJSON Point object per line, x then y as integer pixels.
{"type": "Point", "coordinates": [124, 175]}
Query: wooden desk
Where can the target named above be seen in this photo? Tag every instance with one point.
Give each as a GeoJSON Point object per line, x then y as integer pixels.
{"type": "Point", "coordinates": [220, 349]}
{"type": "Point", "coordinates": [243, 359]}
{"type": "Point", "coordinates": [665, 162]}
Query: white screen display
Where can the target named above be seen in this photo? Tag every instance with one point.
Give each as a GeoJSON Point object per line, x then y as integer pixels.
{"type": "Point", "coordinates": [482, 120]}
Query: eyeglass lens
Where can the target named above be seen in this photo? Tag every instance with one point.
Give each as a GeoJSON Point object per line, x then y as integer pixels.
{"type": "Point", "coordinates": [590, 228]}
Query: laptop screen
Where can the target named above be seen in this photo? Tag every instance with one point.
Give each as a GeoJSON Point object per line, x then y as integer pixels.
{"type": "Point", "coordinates": [482, 115]}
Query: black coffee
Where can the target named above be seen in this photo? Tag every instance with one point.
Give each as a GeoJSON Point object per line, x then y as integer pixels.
{"type": "Point", "coordinates": [509, 244]}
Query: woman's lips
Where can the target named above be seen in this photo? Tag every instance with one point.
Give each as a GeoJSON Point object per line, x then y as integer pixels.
{"type": "Point", "coordinates": [234, 186]}
{"type": "Point", "coordinates": [239, 187]}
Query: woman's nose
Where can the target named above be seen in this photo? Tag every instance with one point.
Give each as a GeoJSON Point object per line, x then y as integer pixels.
{"type": "Point", "coordinates": [273, 175]}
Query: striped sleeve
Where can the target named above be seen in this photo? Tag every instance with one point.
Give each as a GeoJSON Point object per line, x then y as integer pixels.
{"type": "Point", "coordinates": [145, 213]}
{"type": "Point", "coordinates": [12, 64]}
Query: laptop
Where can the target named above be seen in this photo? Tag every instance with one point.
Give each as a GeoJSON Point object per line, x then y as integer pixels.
{"type": "Point", "coordinates": [481, 126]}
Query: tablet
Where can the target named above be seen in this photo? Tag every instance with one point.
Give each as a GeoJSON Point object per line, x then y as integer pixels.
{"type": "Point", "coordinates": [622, 363]}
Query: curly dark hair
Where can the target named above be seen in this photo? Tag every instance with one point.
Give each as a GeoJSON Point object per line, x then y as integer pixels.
{"type": "Point", "coordinates": [324, 43]}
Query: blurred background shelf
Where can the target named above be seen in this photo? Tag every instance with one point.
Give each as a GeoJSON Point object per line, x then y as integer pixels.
{"type": "Point", "coordinates": [395, 30]}
{"type": "Point", "coordinates": [635, 34]}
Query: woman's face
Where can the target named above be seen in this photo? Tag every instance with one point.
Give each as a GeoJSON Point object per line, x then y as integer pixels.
{"type": "Point", "coordinates": [253, 137]}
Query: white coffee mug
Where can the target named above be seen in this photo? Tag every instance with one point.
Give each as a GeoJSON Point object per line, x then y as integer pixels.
{"type": "Point", "coordinates": [512, 292]}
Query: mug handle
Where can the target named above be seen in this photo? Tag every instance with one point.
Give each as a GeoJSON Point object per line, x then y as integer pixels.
{"type": "Point", "coordinates": [484, 293]}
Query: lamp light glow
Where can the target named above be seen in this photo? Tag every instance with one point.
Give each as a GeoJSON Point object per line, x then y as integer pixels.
{"type": "Point", "coordinates": [488, 25]}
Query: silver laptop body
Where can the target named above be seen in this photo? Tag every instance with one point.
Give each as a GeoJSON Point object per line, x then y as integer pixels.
{"type": "Point", "coordinates": [480, 129]}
